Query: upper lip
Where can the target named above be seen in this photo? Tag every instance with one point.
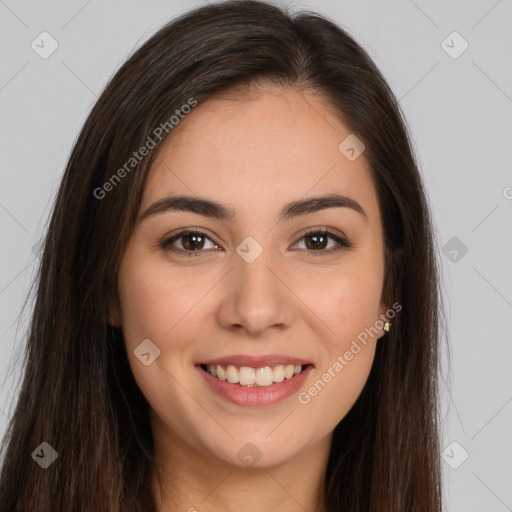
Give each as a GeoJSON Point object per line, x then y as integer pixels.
{"type": "Point", "coordinates": [256, 361]}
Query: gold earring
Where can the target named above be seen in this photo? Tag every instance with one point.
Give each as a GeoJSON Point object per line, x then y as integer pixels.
{"type": "Point", "coordinates": [387, 325]}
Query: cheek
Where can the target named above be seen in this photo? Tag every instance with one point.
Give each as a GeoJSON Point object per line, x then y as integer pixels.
{"type": "Point", "coordinates": [154, 309]}
{"type": "Point", "coordinates": [155, 304]}
{"type": "Point", "coordinates": [163, 307]}
{"type": "Point", "coordinates": [350, 307]}
{"type": "Point", "coordinates": [337, 387]}
{"type": "Point", "coordinates": [349, 302]}
{"type": "Point", "coordinates": [143, 301]}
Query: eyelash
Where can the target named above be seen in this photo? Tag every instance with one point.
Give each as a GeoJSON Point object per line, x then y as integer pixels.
{"type": "Point", "coordinates": [166, 244]}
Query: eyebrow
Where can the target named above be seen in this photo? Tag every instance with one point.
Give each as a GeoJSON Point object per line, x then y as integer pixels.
{"type": "Point", "coordinates": [213, 209]}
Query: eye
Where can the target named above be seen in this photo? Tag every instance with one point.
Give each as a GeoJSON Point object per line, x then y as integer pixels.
{"type": "Point", "coordinates": [192, 241]}
{"type": "Point", "coordinates": [317, 242]}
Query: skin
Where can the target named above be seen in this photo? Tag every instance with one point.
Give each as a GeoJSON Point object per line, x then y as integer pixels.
{"type": "Point", "coordinates": [255, 153]}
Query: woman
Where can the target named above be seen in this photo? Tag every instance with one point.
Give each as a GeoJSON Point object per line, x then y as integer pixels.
{"type": "Point", "coordinates": [237, 304]}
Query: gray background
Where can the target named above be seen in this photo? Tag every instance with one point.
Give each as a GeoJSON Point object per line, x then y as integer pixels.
{"type": "Point", "coordinates": [459, 112]}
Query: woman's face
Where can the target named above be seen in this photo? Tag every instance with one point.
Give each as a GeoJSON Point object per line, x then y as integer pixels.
{"type": "Point", "coordinates": [253, 291]}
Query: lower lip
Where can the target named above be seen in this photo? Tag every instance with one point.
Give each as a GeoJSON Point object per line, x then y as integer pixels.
{"type": "Point", "coordinates": [256, 396]}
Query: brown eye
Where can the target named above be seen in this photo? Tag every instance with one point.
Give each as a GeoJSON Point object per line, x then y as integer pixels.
{"type": "Point", "coordinates": [316, 241]}
{"type": "Point", "coordinates": [189, 241]}
{"type": "Point", "coordinates": [323, 242]}
{"type": "Point", "coordinates": [192, 241]}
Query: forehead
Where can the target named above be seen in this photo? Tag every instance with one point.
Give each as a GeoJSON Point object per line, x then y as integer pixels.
{"type": "Point", "coordinates": [272, 143]}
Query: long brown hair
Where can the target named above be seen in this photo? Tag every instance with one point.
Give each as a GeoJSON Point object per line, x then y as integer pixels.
{"type": "Point", "coordinates": [78, 393]}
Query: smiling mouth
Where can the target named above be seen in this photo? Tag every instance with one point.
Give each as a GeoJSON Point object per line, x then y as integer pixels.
{"type": "Point", "coordinates": [245, 376]}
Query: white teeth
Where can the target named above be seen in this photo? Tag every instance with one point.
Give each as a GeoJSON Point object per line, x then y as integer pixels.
{"type": "Point", "coordinates": [264, 376]}
{"type": "Point", "coordinates": [279, 373]}
{"type": "Point", "coordinates": [289, 370]}
{"type": "Point", "coordinates": [246, 376]}
{"type": "Point", "coordinates": [232, 374]}
{"type": "Point", "coordinates": [250, 377]}
{"type": "Point", "coordinates": [221, 374]}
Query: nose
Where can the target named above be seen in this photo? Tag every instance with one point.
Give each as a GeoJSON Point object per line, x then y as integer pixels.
{"type": "Point", "coordinates": [256, 296]}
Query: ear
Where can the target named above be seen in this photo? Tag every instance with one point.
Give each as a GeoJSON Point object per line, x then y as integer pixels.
{"type": "Point", "coordinates": [383, 308]}
{"type": "Point", "coordinates": [114, 314]}
{"type": "Point", "coordinates": [392, 282]}
{"type": "Point", "coordinates": [113, 320]}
